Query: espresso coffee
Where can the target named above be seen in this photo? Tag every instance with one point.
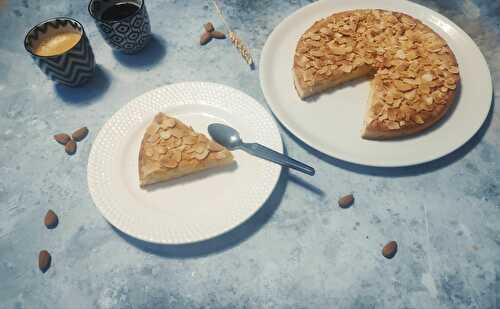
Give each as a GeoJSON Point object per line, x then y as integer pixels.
{"type": "Point", "coordinates": [119, 10]}
{"type": "Point", "coordinates": [56, 44]}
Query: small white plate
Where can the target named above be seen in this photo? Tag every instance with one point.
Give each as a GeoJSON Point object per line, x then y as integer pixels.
{"type": "Point", "coordinates": [195, 207]}
{"type": "Point", "coordinates": [332, 123]}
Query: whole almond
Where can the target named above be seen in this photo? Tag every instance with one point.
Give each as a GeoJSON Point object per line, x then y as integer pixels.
{"type": "Point", "coordinates": [44, 260]}
{"type": "Point", "coordinates": [51, 220]}
{"type": "Point", "coordinates": [80, 134]}
{"type": "Point", "coordinates": [218, 35]}
{"type": "Point", "coordinates": [390, 249]}
{"type": "Point", "coordinates": [209, 27]}
{"type": "Point", "coordinates": [62, 138]}
{"type": "Point", "coordinates": [205, 38]}
{"type": "Point", "coordinates": [70, 147]}
{"type": "Point", "coordinates": [346, 201]}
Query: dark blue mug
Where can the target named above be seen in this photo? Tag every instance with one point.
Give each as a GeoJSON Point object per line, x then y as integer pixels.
{"type": "Point", "coordinates": [73, 66]}
{"type": "Point", "coordinates": [124, 24]}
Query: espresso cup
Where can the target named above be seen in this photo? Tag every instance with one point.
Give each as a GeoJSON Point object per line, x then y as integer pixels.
{"type": "Point", "coordinates": [61, 50]}
{"type": "Point", "coordinates": [124, 24]}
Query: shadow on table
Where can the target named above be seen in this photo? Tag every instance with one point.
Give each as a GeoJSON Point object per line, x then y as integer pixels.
{"type": "Point", "coordinates": [84, 94]}
{"type": "Point", "coordinates": [152, 54]}
{"type": "Point", "coordinates": [409, 170]}
{"type": "Point", "coordinates": [223, 242]}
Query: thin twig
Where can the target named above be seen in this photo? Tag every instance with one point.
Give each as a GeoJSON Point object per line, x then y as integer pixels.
{"type": "Point", "coordinates": [237, 42]}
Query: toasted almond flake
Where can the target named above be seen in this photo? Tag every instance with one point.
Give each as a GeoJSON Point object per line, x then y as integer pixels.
{"type": "Point", "coordinates": [190, 140]}
{"type": "Point", "coordinates": [169, 163]}
{"type": "Point", "coordinates": [213, 146]}
{"type": "Point", "coordinates": [428, 100]}
{"type": "Point", "coordinates": [177, 132]}
{"type": "Point", "coordinates": [428, 77]}
{"type": "Point", "coordinates": [316, 53]}
{"type": "Point", "coordinates": [167, 123]}
{"type": "Point", "coordinates": [165, 134]}
{"type": "Point", "coordinates": [402, 86]}
{"type": "Point", "coordinates": [453, 70]}
{"type": "Point", "coordinates": [202, 155]}
{"type": "Point", "coordinates": [316, 37]}
{"type": "Point", "coordinates": [418, 119]}
{"type": "Point", "coordinates": [401, 54]}
{"type": "Point", "coordinates": [153, 138]}
{"type": "Point", "coordinates": [347, 68]}
{"type": "Point", "coordinates": [220, 155]}
{"type": "Point", "coordinates": [200, 147]}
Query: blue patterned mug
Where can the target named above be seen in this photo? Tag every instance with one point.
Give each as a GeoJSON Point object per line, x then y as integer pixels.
{"type": "Point", "coordinates": [61, 50]}
{"type": "Point", "coordinates": [124, 24]}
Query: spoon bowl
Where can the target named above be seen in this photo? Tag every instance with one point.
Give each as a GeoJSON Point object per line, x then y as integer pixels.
{"type": "Point", "coordinates": [225, 135]}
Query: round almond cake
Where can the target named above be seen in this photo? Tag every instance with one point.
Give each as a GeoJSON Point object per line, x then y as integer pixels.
{"type": "Point", "coordinates": [415, 74]}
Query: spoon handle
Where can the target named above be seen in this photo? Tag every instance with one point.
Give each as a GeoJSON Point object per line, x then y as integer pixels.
{"type": "Point", "coordinates": [276, 157]}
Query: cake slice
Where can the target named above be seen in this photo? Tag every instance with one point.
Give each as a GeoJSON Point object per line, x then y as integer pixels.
{"type": "Point", "coordinates": [171, 149]}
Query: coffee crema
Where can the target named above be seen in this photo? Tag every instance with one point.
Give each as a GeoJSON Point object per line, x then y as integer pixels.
{"type": "Point", "coordinates": [56, 44]}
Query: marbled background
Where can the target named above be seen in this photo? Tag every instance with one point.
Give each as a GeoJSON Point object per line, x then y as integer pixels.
{"type": "Point", "coordinates": [299, 251]}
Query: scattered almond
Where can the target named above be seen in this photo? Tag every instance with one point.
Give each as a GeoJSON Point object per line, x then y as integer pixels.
{"type": "Point", "coordinates": [209, 27]}
{"type": "Point", "coordinates": [70, 147]}
{"type": "Point", "coordinates": [62, 138]}
{"type": "Point", "coordinates": [218, 35]}
{"type": "Point", "coordinates": [205, 38]}
{"type": "Point", "coordinates": [44, 260]}
{"type": "Point", "coordinates": [346, 201]}
{"type": "Point", "coordinates": [80, 134]}
{"type": "Point", "coordinates": [390, 249]}
{"type": "Point", "coordinates": [51, 220]}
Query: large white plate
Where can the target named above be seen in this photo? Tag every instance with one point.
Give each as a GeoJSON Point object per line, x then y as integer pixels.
{"type": "Point", "coordinates": [332, 123]}
{"type": "Point", "coordinates": [195, 207]}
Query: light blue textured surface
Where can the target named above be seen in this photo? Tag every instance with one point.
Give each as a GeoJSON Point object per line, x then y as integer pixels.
{"type": "Point", "coordinates": [300, 251]}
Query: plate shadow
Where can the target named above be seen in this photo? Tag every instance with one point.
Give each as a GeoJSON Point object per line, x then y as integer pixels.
{"type": "Point", "coordinates": [84, 94]}
{"type": "Point", "coordinates": [151, 55]}
{"type": "Point", "coordinates": [222, 242]}
{"type": "Point", "coordinates": [419, 169]}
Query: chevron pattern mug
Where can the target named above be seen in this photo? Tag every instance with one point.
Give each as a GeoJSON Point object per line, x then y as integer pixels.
{"type": "Point", "coordinates": [61, 50]}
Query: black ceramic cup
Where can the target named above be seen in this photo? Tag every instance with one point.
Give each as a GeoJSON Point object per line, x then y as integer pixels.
{"type": "Point", "coordinates": [73, 66]}
{"type": "Point", "coordinates": [124, 24]}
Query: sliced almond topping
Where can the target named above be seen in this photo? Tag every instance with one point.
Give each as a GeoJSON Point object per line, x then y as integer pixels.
{"type": "Point", "coordinates": [316, 53]}
{"type": "Point", "coordinates": [215, 147]}
{"type": "Point", "coordinates": [453, 70]}
{"type": "Point", "coordinates": [220, 155]}
{"type": "Point", "coordinates": [176, 155]}
{"type": "Point", "coordinates": [169, 163]}
{"type": "Point", "coordinates": [153, 138]}
{"type": "Point", "coordinates": [428, 100]}
{"type": "Point", "coordinates": [177, 132]}
{"type": "Point", "coordinates": [402, 86]}
{"type": "Point", "coordinates": [401, 54]}
{"type": "Point", "coordinates": [190, 140]}
{"type": "Point", "coordinates": [202, 155]}
{"type": "Point", "coordinates": [167, 123]}
{"type": "Point", "coordinates": [200, 147]}
{"type": "Point", "coordinates": [418, 119]}
{"type": "Point", "coordinates": [166, 134]}
{"type": "Point", "coordinates": [427, 77]}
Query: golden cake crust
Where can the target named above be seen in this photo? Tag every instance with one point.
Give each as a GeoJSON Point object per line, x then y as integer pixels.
{"type": "Point", "coordinates": [170, 149]}
{"type": "Point", "coordinates": [415, 71]}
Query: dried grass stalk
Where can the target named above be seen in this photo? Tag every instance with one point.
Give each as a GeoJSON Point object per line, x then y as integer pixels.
{"type": "Point", "coordinates": [244, 51]}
